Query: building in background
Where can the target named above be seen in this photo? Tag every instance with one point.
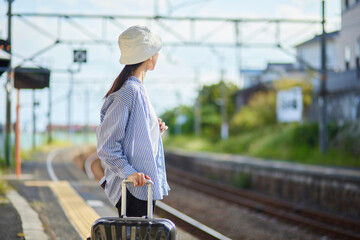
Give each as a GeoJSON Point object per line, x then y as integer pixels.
{"type": "Point", "coordinates": [343, 69]}
{"type": "Point", "coordinates": [349, 37]}
{"type": "Point", "coordinates": [310, 52]}
{"type": "Point", "coordinates": [343, 85]}
{"type": "Point", "coordinates": [279, 71]}
{"type": "Point", "coordinates": [261, 80]}
{"type": "Point", "coordinates": [250, 77]}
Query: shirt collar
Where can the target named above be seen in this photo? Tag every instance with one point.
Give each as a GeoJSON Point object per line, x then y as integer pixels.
{"type": "Point", "coordinates": [135, 79]}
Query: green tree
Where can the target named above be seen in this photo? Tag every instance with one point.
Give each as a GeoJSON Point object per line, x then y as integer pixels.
{"type": "Point", "coordinates": [261, 108]}
{"type": "Point", "coordinates": [260, 111]}
{"type": "Point", "coordinates": [211, 101]}
{"type": "Point", "coordinates": [180, 118]}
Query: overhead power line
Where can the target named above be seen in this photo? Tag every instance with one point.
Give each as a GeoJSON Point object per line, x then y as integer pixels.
{"type": "Point", "coordinates": [182, 39]}
{"type": "Point", "coordinates": [176, 18]}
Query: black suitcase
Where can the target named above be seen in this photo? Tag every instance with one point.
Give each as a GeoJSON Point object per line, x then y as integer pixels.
{"type": "Point", "coordinates": [131, 228]}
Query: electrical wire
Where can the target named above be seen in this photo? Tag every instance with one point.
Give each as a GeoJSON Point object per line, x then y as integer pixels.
{"type": "Point", "coordinates": [37, 28]}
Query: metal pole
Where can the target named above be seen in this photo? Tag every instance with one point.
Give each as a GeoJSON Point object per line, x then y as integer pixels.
{"type": "Point", "coordinates": [8, 88]}
{"type": "Point", "coordinates": [177, 115]}
{"type": "Point", "coordinates": [87, 115]}
{"type": "Point", "coordinates": [197, 105]}
{"type": "Point", "coordinates": [238, 50]}
{"type": "Point", "coordinates": [192, 31]}
{"type": "Point", "coordinates": [34, 121]}
{"type": "Point", "coordinates": [156, 8]}
{"type": "Point", "coordinates": [69, 102]}
{"type": "Point", "coordinates": [277, 33]}
{"type": "Point", "coordinates": [17, 138]}
{"type": "Point", "coordinates": [162, 17]}
{"type": "Point", "coordinates": [49, 116]}
{"type": "Point", "coordinates": [323, 92]}
{"type": "Point", "coordinates": [224, 124]}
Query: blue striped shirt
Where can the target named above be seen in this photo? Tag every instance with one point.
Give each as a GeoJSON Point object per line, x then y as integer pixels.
{"type": "Point", "coordinates": [124, 144]}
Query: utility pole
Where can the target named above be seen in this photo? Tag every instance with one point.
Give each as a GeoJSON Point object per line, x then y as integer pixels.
{"type": "Point", "coordinates": [197, 114]}
{"type": "Point", "coordinates": [224, 124]}
{"type": "Point", "coordinates": [49, 116]}
{"type": "Point", "coordinates": [8, 89]}
{"type": "Point", "coordinates": [34, 119]}
{"type": "Point", "coordinates": [238, 50]}
{"type": "Point", "coordinates": [17, 138]}
{"type": "Point", "coordinates": [156, 8]}
{"type": "Point", "coordinates": [87, 115]}
{"type": "Point", "coordinates": [71, 86]}
{"type": "Point", "coordinates": [178, 115]}
{"type": "Point", "coordinates": [323, 91]}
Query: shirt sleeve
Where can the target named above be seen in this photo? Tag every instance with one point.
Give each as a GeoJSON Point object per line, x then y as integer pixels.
{"type": "Point", "coordinates": [110, 134]}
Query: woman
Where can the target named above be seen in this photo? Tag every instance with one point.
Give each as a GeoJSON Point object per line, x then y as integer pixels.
{"type": "Point", "coordinates": [129, 142]}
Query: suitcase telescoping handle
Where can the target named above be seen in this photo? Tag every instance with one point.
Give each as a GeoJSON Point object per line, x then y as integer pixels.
{"type": "Point", "coordinates": [150, 185]}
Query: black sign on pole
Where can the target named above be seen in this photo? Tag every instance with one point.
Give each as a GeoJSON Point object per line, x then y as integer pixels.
{"type": "Point", "coordinates": [4, 45]}
{"type": "Point", "coordinates": [80, 56]}
{"type": "Point", "coordinates": [31, 78]}
{"type": "Point", "coordinates": [4, 56]}
{"type": "Point", "coordinates": [4, 62]}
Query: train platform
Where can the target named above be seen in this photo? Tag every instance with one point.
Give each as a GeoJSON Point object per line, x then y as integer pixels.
{"type": "Point", "coordinates": [334, 190]}
{"type": "Point", "coordinates": [245, 161]}
{"type": "Point", "coordinates": [53, 200]}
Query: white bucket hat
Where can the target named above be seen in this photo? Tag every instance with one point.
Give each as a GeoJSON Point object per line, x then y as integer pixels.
{"type": "Point", "coordinates": [138, 44]}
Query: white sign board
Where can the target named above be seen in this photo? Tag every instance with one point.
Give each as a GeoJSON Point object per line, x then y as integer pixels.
{"type": "Point", "coordinates": [289, 105]}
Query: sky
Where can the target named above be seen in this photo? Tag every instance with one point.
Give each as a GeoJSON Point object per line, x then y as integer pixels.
{"type": "Point", "coordinates": [180, 71]}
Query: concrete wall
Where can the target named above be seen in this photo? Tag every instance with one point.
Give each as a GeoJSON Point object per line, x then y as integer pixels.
{"type": "Point", "coordinates": [322, 188]}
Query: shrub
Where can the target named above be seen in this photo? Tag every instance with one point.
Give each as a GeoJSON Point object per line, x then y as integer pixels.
{"type": "Point", "coordinates": [306, 134]}
{"type": "Point", "coordinates": [260, 111]}
{"type": "Point", "coordinates": [346, 138]}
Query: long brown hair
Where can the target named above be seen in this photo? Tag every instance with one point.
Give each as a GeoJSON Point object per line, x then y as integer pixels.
{"type": "Point", "coordinates": [120, 80]}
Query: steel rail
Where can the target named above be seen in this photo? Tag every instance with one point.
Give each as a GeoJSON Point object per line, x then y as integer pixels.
{"type": "Point", "coordinates": [278, 203]}
{"type": "Point", "coordinates": [283, 210]}
{"type": "Point", "coordinates": [187, 223]}
{"type": "Point", "coordinates": [311, 218]}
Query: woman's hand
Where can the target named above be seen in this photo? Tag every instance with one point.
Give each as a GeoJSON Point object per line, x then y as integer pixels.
{"type": "Point", "coordinates": [163, 127]}
{"type": "Point", "coordinates": [138, 179]}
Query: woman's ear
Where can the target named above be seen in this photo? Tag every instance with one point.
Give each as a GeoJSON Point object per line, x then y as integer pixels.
{"type": "Point", "coordinates": [149, 64]}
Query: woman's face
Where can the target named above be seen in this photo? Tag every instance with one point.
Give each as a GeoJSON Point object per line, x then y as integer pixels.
{"type": "Point", "coordinates": [153, 61]}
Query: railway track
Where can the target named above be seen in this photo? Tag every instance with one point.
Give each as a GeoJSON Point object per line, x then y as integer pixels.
{"type": "Point", "coordinates": [332, 225]}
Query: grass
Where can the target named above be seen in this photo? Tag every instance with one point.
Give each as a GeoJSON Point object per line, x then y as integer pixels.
{"type": "Point", "coordinates": [189, 143]}
{"type": "Point", "coordinates": [27, 154]}
{"type": "Point", "coordinates": [279, 142]}
{"type": "Point", "coordinates": [3, 185]}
